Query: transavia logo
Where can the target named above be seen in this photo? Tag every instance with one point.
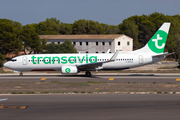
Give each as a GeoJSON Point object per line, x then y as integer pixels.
{"type": "Point", "coordinates": [63, 59]}
{"type": "Point", "coordinates": [158, 41]}
{"type": "Point", "coordinates": [68, 70]}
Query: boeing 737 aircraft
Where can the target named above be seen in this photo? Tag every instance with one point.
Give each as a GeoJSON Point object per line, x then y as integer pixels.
{"type": "Point", "coordinates": [152, 52]}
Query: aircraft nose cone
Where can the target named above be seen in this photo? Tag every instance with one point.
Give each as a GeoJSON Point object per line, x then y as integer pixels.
{"type": "Point", "coordinates": [6, 64]}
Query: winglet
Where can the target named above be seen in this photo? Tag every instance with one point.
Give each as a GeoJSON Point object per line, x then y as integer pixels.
{"type": "Point", "coordinates": [108, 51]}
{"type": "Point", "coordinates": [113, 58]}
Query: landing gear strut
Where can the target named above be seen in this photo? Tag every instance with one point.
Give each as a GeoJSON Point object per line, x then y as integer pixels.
{"type": "Point", "coordinates": [88, 74]}
{"type": "Point", "coordinates": [20, 74]}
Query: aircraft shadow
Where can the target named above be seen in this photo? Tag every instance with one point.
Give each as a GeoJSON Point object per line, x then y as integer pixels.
{"type": "Point", "coordinates": [79, 75]}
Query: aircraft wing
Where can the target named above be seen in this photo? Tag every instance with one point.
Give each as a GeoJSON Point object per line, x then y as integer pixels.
{"type": "Point", "coordinates": [93, 66]}
{"type": "Point", "coordinates": [164, 54]}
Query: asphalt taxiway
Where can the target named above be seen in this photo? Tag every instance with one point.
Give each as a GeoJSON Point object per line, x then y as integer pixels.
{"type": "Point", "coordinates": [103, 77]}
{"type": "Point", "coordinates": [91, 107]}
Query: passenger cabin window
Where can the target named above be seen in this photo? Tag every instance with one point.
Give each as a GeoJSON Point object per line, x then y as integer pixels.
{"type": "Point", "coordinates": [119, 43]}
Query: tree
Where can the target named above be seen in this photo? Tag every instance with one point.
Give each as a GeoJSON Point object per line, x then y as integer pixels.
{"type": "Point", "coordinates": [10, 36]}
{"type": "Point", "coordinates": [65, 29]}
{"type": "Point", "coordinates": [1, 60]}
{"type": "Point", "coordinates": [53, 48]}
{"type": "Point", "coordinates": [49, 27]}
{"type": "Point", "coordinates": [129, 28]}
{"type": "Point", "coordinates": [44, 44]}
{"type": "Point", "coordinates": [88, 27]}
{"type": "Point", "coordinates": [1, 63]}
{"type": "Point", "coordinates": [79, 27]}
{"type": "Point", "coordinates": [30, 39]}
{"type": "Point", "coordinates": [66, 47]}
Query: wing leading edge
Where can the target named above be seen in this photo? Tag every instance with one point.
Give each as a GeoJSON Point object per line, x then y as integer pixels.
{"type": "Point", "coordinates": [97, 65]}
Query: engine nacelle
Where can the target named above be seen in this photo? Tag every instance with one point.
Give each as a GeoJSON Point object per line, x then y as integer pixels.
{"type": "Point", "coordinates": [69, 70]}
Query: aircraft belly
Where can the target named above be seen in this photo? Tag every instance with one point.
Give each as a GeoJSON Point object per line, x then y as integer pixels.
{"type": "Point", "coordinates": [40, 67]}
{"type": "Point", "coordinates": [116, 65]}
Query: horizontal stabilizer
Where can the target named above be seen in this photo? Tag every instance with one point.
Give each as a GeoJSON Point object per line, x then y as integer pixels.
{"type": "Point", "coordinates": [164, 54]}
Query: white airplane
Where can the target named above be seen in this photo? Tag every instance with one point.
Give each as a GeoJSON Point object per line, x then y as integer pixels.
{"type": "Point", "coordinates": [152, 52]}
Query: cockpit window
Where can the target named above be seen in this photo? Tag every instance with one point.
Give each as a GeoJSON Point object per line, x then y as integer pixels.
{"type": "Point", "coordinates": [13, 60]}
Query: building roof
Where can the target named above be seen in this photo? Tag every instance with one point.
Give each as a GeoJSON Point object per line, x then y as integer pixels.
{"type": "Point", "coordinates": [110, 36]}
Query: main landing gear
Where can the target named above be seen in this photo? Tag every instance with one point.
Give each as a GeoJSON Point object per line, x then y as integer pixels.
{"type": "Point", "coordinates": [88, 74]}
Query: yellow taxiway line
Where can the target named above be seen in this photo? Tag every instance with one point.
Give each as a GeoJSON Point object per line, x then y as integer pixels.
{"type": "Point", "coordinates": [43, 78]}
{"type": "Point", "coordinates": [111, 78]}
{"type": "Point", "coordinates": [13, 107]}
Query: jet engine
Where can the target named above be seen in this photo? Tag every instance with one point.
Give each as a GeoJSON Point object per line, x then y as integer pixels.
{"type": "Point", "coordinates": [69, 70]}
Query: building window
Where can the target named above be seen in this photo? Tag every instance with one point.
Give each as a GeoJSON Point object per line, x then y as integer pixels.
{"type": "Point", "coordinates": [96, 52]}
{"type": "Point", "coordinates": [86, 51]}
{"type": "Point", "coordinates": [127, 43]}
{"type": "Point", "coordinates": [58, 42]}
{"type": "Point", "coordinates": [87, 43]}
{"type": "Point", "coordinates": [103, 43]}
{"type": "Point", "coordinates": [96, 43]}
{"type": "Point", "coordinates": [80, 43]}
{"type": "Point", "coordinates": [119, 43]}
{"type": "Point", "coordinates": [74, 43]}
{"type": "Point", "coordinates": [109, 43]}
{"type": "Point", "coordinates": [103, 52]}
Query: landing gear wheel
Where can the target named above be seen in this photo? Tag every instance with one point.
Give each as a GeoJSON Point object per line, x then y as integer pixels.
{"type": "Point", "coordinates": [21, 74]}
{"type": "Point", "coordinates": [88, 74]}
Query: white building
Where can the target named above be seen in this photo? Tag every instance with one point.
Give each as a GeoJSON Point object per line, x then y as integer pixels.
{"type": "Point", "coordinates": [94, 43]}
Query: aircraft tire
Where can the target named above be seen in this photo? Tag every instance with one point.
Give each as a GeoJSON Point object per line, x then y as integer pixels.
{"type": "Point", "coordinates": [88, 74]}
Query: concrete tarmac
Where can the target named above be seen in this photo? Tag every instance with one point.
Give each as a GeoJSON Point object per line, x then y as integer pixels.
{"type": "Point", "coordinates": [103, 77]}
{"type": "Point", "coordinates": [92, 107]}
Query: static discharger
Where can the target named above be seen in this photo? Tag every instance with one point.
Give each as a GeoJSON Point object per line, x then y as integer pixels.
{"type": "Point", "coordinates": [43, 78]}
{"type": "Point", "coordinates": [178, 79]}
{"type": "Point", "coordinates": [13, 107]}
{"type": "Point", "coordinates": [111, 78]}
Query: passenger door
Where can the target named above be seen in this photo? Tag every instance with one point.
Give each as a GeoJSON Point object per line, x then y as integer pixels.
{"type": "Point", "coordinates": [24, 60]}
{"type": "Point", "coordinates": [140, 59]}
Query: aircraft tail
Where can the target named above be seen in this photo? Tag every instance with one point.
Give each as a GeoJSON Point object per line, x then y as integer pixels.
{"type": "Point", "coordinates": [157, 43]}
